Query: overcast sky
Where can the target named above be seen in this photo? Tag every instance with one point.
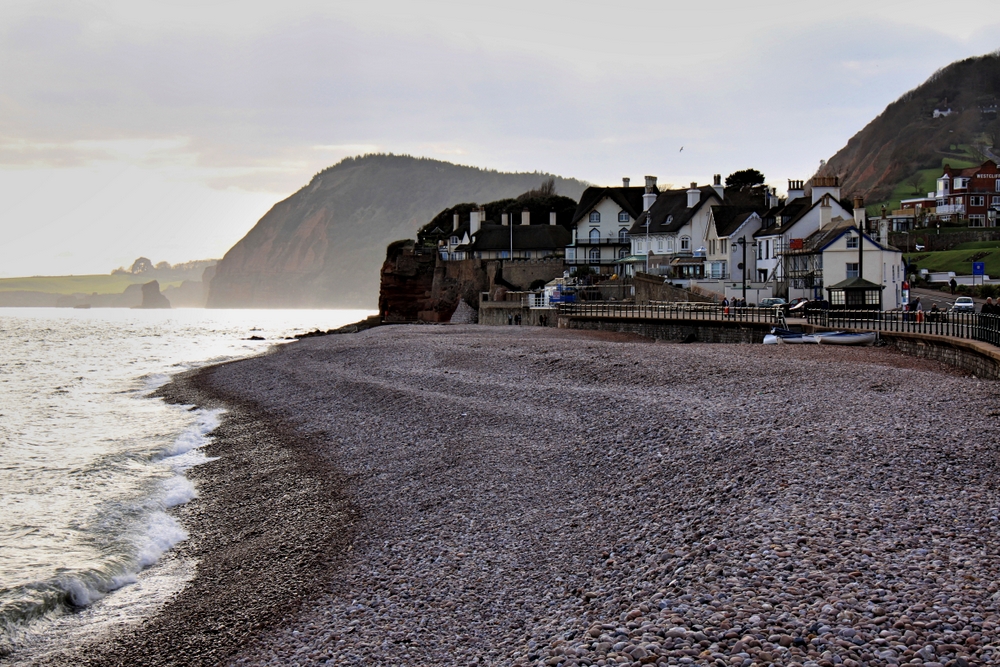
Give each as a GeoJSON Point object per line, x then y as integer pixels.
{"type": "Point", "coordinates": [132, 128]}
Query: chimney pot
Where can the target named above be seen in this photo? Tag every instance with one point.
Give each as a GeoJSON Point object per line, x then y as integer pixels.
{"type": "Point", "coordinates": [717, 179]}
{"type": "Point", "coordinates": [650, 195]}
{"type": "Point", "coordinates": [625, 181]}
{"type": "Point", "coordinates": [525, 217]}
{"type": "Point", "coordinates": [650, 184]}
{"type": "Point", "coordinates": [552, 217]}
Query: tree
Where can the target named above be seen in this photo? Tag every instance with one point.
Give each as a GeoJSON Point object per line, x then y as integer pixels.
{"type": "Point", "coordinates": [141, 265]}
{"type": "Point", "coordinates": [914, 182]}
{"type": "Point", "coordinates": [744, 179]}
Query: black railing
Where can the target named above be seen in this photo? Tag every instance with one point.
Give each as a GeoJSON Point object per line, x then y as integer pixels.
{"type": "Point", "coordinates": [971, 326]}
{"type": "Point", "coordinates": [692, 311]}
{"type": "Point", "coordinates": [604, 240]}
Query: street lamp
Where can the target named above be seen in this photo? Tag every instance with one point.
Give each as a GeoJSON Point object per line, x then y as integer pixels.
{"type": "Point", "coordinates": [743, 267]}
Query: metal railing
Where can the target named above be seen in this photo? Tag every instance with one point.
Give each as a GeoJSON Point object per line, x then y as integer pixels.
{"type": "Point", "coordinates": [676, 311]}
{"type": "Point", "coordinates": [604, 240]}
{"type": "Point", "coordinates": [970, 326]}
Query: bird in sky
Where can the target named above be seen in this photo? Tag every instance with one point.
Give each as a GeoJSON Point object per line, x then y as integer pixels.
{"type": "Point", "coordinates": [681, 150]}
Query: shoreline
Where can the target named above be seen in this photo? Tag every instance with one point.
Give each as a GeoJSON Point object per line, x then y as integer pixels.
{"type": "Point", "coordinates": [499, 496]}
{"type": "Point", "coordinates": [269, 522]}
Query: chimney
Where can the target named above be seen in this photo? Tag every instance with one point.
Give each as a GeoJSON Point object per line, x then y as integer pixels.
{"type": "Point", "coordinates": [650, 195]}
{"type": "Point", "coordinates": [772, 197]}
{"type": "Point", "coordinates": [454, 224]}
{"type": "Point", "coordinates": [860, 217]}
{"type": "Point", "coordinates": [474, 221]}
{"type": "Point", "coordinates": [795, 190]}
{"type": "Point", "coordinates": [504, 218]}
{"type": "Point", "coordinates": [825, 185]}
{"type": "Point", "coordinates": [625, 181]}
{"type": "Point", "coordinates": [552, 217]}
{"type": "Point", "coordinates": [525, 217]}
{"type": "Point", "coordinates": [717, 185]}
{"type": "Point", "coordinates": [825, 212]}
{"type": "Point", "coordinates": [694, 195]}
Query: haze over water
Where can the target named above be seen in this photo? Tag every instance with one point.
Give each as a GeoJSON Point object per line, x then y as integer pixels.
{"type": "Point", "coordinates": [90, 464]}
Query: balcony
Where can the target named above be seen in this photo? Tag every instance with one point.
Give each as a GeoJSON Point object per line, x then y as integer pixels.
{"type": "Point", "coordinates": [951, 209]}
{"type": "Point", "coordinates": [593, 262]}
{"type": "Point", "coordinates": [608, 240]}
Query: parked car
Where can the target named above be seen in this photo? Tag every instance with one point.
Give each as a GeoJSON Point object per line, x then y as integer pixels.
{"type": "Point", "coordinates": [964, 304]}
{"type": "Point", "coordinates": [772, 302]}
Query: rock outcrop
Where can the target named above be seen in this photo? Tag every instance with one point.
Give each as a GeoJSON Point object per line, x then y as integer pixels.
{"type": "Point", "coordinates": [321, 247]}
{"type": "Point", "coordinates": [151, 297]}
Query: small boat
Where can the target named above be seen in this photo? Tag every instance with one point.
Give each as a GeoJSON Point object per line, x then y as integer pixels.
{"type": "Point", "coordinates": [787, 337]}
{"type": "Point", "coordinates": [82, 306]}
{"type": "Point", "coordinates": [848, 338]}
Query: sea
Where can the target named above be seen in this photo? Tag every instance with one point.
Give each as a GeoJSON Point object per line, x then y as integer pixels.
{"type": "Point", "coordinates": [91, 463]}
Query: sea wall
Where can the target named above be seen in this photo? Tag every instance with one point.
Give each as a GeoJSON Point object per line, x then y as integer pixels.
{"type": "Point", "coordinates": [497, 313]}
{"type": "Point", "coordinates": [654, 288]}
{"type": "Point", "coordinates": [688, 331]}
{"type": "Point", "coordinates": [979, 359]}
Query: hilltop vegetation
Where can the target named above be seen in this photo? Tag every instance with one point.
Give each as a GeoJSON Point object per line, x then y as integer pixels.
{"type": "Point", "coordinates": [323, 246]}
{"type": "Point", "coordinates": [904, 148]}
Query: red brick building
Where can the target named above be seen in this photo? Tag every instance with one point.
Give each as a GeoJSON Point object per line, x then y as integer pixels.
{"type": "Point", "coordinates": [972, 193]}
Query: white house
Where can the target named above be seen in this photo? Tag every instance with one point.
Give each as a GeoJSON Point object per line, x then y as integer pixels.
{"type": "Point", "coordinates": [786, 225]}
{"type": "Point", "coordinates": [672, 229]}
{"type": "Point", "coordinates": [601, 225]}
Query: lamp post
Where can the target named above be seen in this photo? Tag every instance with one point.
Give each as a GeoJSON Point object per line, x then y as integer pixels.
{"type": "Point", "coordinates": [648, 247]}
{"type": "Point", "coordinates": [743, 242]}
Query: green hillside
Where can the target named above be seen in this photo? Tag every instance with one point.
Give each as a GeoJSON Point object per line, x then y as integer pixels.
{"type": "Point", "coordinates": [905, 139]}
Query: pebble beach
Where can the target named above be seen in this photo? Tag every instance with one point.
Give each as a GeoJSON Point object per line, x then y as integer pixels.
{"type": "Point", "coordinates": [465, 495]}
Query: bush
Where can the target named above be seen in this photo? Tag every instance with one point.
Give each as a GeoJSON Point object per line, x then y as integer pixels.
{"type": "Point", "coordinates": [988, 291]}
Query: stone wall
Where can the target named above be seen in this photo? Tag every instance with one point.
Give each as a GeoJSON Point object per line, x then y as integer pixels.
{"type": "Point", "coordinates": [979, 359]}
{"type": "Point", "coordinates": [946, 241]}
{"type": "Point", "coordinates": [687, 331]}
{"type": "Point", "coordinates": [653, 288]}
{"type": "Point", "coordinates": [496, 313]}
{"type": "Point", "coordinates": [521, 273]}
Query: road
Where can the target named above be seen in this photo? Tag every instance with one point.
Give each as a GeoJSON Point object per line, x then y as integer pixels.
{"type": "Point", "coordinates": [929, 297]}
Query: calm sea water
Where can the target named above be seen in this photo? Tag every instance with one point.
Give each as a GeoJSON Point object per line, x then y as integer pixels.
{"type": "Point", "coordinates": [90, 464]}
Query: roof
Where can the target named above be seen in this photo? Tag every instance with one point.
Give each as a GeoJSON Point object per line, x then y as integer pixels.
{"type": "Point", "coordinates": [679, 261]}
{"type": "Point", "coordinates": [821, 239]}
{"type": "Point", "coordinates": [730, 218]}
{"type": "Point", "coordinates": [630, 199]}
{"type": "Point", "coordinates": [526, 237]}
{"type": "Point", "coordinates": [793, 211]}
{"type": "Point", "coordinates": [856, 283]}
{"type": "Point", "coordinates": [670, 212]}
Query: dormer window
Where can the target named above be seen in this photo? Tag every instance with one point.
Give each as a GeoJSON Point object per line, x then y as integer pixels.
{"type": "Point", "coordinates": [595, 216]}
{"type": "Point", "coordinates": [454, 240]}
{"type": "Point", "coordinates": [670, 219]}
{"type": "Point", "coordinates": [623, 217]}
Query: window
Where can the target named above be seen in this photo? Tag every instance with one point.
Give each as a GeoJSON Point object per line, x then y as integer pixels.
{"type": "Point", "coordinates": [595, 216]}
{"type": "Point", "coordinates": [685, 243]}
{"type": "Point", "coordinates": [998, 185]}
{"type": "Point", "coordinates": [711, 247]}
{"type": "Point", "coordinates": [670, 219]}
{"type": "Point", "coordinates": [622, 253]}
{"type": "Point", "coordinates": [623, 217]}
{"type": "Point", "coordinates": [595, 235]}
{"type": "Point", "coordinates": [504, 254]}
{"type": "Point", "coordinates": [852, 269]}
{"type": "Point", "coordinates": [454, 240]}
{"type": "Point", "coordinates": [623, 235]}
{"type": "Point", "coordinates": [670, 245]}
{"type": "Point", "coordinates": [977, 221]}
{"type": "Point", "coordinates": [996, 200]}
{"type": "Point", "coordinates": [570, 253]}
{"type": "Point", "coordinates": [977, 201]}
{"type": "Point", "coordinates": [595, 254]}
{"type": "Point", "coordinates": [852, 242]}
{"type": "Point", "coordinates": [659, 244]}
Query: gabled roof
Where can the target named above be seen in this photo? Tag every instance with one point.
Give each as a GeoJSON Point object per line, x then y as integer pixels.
{"type": "Point", "coordinates": [821, 239]}
{"type": "Point", "coordinates": [670, 212]}
{"type": "Point", "coordinates": [856, 283]}
{"type": "Point", "coordinates": [630, 199]}
{"type": "Point", "coordinates": [526, 237]}
{"type": "Point", "coordinates": [728, 219]}
{"type": "Point", "coordinates": [794, 211]}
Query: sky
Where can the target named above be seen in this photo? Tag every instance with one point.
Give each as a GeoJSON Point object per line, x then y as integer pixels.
{"type": "Point", "coordinates": [167, 130]}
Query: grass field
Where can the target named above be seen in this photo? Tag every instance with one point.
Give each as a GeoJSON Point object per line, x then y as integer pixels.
{"type": "Point", "coordinates": [100, 284]}
{"type": "Point", "coordinates": [960, 260]}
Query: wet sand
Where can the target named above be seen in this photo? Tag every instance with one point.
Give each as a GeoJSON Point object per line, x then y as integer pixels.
{"type": "Point", "coordinates": [470, 495]}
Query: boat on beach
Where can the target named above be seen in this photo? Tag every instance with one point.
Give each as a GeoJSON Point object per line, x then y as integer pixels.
{"type": "Point", "coordinates": [788, 337]}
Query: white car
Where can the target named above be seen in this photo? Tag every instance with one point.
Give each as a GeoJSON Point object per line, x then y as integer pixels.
{"type": "Point", "coordinates": [964, 304]}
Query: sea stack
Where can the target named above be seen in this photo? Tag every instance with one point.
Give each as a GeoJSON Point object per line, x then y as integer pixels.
{"type": "Point", "coordinates": [151, 297]}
